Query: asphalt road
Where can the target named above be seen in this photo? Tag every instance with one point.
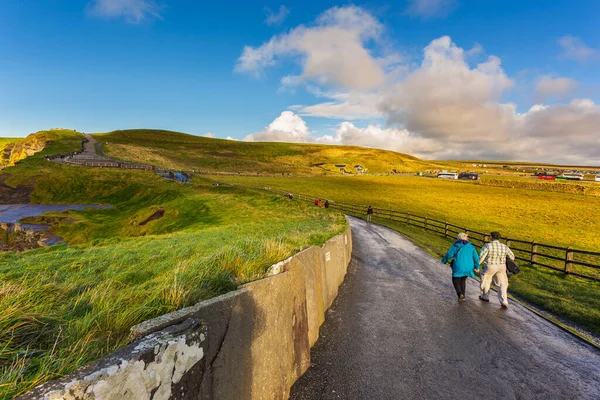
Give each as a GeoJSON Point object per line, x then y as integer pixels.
{"type": "Point", "coordinates": [396, 331]}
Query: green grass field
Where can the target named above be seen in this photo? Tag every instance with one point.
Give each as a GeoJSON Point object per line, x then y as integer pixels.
{"type": "Point", "coordinates": [68, 305]}
{"type": "Point", "coordinates": [65, 306]}
{"type": "Point", "coordinates": [562, 219]}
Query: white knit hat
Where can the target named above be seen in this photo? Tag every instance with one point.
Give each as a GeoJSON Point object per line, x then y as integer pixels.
{"type": "Point", "coordinates": [462, 236]}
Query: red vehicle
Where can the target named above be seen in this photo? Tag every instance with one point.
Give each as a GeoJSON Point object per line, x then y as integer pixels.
{"type": "Point", "coordinates": [547, 177]}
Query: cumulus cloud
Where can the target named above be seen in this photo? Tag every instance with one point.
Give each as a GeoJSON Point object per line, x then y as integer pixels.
{"type": "Point", "coordinates": [344, 106]}
{"type": "Point", "coordinates": [574, 48]}
{"type": "Point", "coordinates": [276, 18]}
{"type": "Point", "coordinates": [446, 107]}
{"type": "Point", "coordinates": [209, 135]}
{"type": "Point", "coordinates": [447, 99]}
{"type": "Point", "coordinates": [133, 11]}
{"type": "Point", "coordinates": [288, 127]}
{"type": "Point", "coordinates": [558, 87]}
{"type": "Point", "coordinates": [332, 51]}
{"type": "Point", "coordinates": [399, 140]}
{"type": "Point", "coordinates": [429, 8]}
{"type": "Point", "coordinates": [563, 133]}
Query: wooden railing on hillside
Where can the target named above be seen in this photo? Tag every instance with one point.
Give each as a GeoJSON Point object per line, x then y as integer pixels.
{"type": "Point", "coordinates": [575, 262]}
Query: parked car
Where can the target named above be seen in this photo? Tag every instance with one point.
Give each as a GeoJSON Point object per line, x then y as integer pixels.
{"type": "Point", "coordinates": [571, 176]}
{"type": "Point", "coordinates": [597, 178]}
{"type": "Point", "coordinates": [447, 175]}
{"type": "Point", "coordinates": [468, 176]}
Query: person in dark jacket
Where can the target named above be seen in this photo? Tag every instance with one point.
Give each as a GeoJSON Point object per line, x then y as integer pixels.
{"type": "Point", "coordinates": [465, 262]}
{"type": "Point", "coordinates": [369, 214]}
{"type": "Point", "coordinates": [326, 203]}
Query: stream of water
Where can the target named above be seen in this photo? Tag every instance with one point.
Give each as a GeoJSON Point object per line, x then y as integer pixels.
{"type": "Point", "coordinates": [13, 213]}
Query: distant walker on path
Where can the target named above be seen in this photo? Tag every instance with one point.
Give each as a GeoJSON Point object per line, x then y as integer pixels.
{"type": "Point", "coordinates": [493, 257]}
{"type": "Point", "coordinates": [369, 214]}
{"type": "Point", "coordinates": [465, 262]}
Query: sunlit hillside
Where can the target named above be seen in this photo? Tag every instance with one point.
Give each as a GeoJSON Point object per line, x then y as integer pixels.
{"type": "Point", "coordinates": [182, 151]}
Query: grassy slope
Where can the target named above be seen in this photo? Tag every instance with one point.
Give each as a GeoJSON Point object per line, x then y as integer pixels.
{"type": "Point", "coordinates": [559, 218]}
{"type": "Point", "coordinates": [68, 305]}
{"type": "Point", "coordinates": [181, 151]}
{"type": "Point", "coordinates": [555, 218]}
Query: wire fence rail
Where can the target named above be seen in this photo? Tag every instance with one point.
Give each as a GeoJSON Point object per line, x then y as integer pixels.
{"type": "Point", "coordinates": [570, 261]}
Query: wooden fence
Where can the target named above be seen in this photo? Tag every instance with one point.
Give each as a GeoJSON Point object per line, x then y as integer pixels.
{"type": "Point", "coordinates": [570, 261]}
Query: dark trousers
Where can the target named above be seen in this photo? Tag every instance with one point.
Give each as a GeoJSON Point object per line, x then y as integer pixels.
{"type": "Point", "coordinates": [460, 284]}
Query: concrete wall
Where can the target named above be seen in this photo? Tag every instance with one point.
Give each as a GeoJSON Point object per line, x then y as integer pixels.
{"type": "Point", "coordinates": [252, 343]}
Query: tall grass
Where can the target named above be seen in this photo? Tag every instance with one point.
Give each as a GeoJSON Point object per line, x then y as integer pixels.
{"type": "Point", "coordinates": [65, 306]}
{"type": "Point", "coordinates": [561, 219]}
{"type": "Point", "coordinates": [68, 305]}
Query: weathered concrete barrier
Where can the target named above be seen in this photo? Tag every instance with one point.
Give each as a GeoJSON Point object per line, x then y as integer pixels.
{"type": "Point", "coordinates": [252, 343]}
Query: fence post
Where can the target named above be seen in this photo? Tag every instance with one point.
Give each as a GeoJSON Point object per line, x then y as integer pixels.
{"type": "Point", "coordinates": [533, 252]}
{"type": "Point", "coordinates": [485, 238]}
{"type": "Point", "coordinates": [568, 257]}
{"type": "Point", "coordinates": [508, 242]}
{"type": "Point", "coordinates": [445, 229]}
{"type": "Point", "coordinates": [425, 223]}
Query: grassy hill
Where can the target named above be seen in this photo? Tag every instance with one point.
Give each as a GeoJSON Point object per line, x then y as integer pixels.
{"type": "Point", "coordinates": [186, 152]}
{"type": "Point", "coordinates": [67, 305]}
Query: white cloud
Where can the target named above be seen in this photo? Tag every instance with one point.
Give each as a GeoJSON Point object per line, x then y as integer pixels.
{"type": "Point", "coordinates": [447, 99]}
{"type": "Point", "coordinates": [447, 106]}
{"type": "Point", "coordinates": [429, 8]}
{"type": "Point", "coordinates": [557, 133]}
{"type": "Point", "coordinates": [133, 11]}
{"type": "Point", "coordinates": [574, 48]}
{"type": "Point", "coordinates": [276, 18]}
{"type": "Point", "coordinates": [559, 87]}
{"type": "Point", "coordinates": [288, 127]}
{"type": "Point", "coordinates": [475, 50]}
{"type": "Point", "coordinates": [332, 52]}
{"type": "Point", "coordinates": [344, 106]}
{"type": "Point", "coordinates": [209, 135]}
{"type": "Point", "coordinates": [399, 140]}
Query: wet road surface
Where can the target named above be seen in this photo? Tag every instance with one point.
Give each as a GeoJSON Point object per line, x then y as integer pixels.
{"type": "Point", "coordinates": [396, 331]}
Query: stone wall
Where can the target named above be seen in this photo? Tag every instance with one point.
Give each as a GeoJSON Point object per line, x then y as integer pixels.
{"type": "Point", "coordinates": [252, 343]}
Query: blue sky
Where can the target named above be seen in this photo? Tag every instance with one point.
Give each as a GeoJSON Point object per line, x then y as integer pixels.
{"type": "Point", "coordinates": [434, 78]}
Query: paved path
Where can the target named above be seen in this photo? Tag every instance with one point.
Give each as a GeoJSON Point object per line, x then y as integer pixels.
{"type": "Point", "coordinates": [396, 331]}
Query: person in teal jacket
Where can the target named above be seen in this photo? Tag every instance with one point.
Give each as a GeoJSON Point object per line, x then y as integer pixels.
{"type": "Point", "coordinates": [465, 262]}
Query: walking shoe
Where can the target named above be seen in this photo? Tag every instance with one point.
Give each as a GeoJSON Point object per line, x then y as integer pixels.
{"type": "Point", "coordinates": [484, 299]}
{"type": "Point", "coordinates": [504, 305]}
{"type": "Point", "coordinates": [461, 298]}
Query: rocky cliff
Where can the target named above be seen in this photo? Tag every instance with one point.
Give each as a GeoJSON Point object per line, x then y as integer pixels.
{"type": "Point", "coordinates": [12, 151]}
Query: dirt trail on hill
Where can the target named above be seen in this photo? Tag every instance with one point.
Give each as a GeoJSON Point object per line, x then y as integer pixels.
{"type": "Point", "coordinates": [396, 331]}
